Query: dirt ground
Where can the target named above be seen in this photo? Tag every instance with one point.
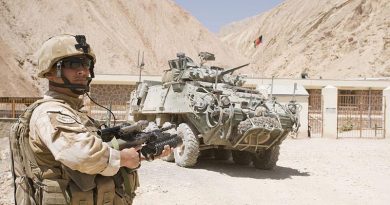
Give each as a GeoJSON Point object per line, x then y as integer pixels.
{"type": "Point", "coordinates": [309, 171]}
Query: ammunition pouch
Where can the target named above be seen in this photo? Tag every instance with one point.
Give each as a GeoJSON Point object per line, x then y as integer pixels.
{"type": "Point", "coordinates": [53, 191]}
{"type": "Point", "coordinates": [79, 197]}
{"type": "Point", "coordinates": [123, 195]}
{"type": "Point", "coordinates": [84, 181]}
{"type": "Point", "coordinates": [23, 191]}
{"type": "Point", "coordinates": [105, 190]}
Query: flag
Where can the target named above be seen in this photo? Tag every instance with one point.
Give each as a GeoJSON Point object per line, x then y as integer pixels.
{"type": "Point", "coordinates": [258, 41]}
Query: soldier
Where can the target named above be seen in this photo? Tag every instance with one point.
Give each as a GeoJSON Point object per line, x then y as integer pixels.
{"type": "Point", "coordinates": [61, 159]}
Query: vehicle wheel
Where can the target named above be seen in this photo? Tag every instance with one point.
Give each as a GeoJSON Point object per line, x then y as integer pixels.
{"type": "Point", "coordinates": [267, 159]}
{"type": "Point", "coordinates": [187, 154]}
{"type": "Point", "coordinates": [222, 154]}
{"type": "Point", "coordinates": [171, 157]}
{"type": "Point", "coordinates": [241, 157]}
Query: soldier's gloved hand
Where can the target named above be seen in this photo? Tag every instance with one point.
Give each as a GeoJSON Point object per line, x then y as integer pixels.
{"type": "Point", "coordinates": [130, 157]}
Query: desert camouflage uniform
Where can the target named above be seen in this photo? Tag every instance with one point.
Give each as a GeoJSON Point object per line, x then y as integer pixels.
{"type": "Point", "coordinates": [68, 136]}
{"type": "Point", "coordinates": [57, 156]}
{"type": "Point", "coordinates": [68, 151]}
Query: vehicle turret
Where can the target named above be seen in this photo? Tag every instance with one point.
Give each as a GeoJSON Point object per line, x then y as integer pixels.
{"type": "Point", "coordinates": [185, 69]}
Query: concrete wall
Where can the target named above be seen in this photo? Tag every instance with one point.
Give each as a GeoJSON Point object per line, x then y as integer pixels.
{"type": "Point", "coordinates": [329, 111]}
{"type": "Point", "coordinates": [346, 84]}
{"type": "Point", "coordinates": [351, 84]}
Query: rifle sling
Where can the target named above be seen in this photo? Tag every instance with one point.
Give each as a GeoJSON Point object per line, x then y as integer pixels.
{"type": "Point", "coordinates": [124, 173]}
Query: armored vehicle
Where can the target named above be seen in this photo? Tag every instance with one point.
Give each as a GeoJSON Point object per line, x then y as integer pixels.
{"type": "Point", "coordinates": [214, 112]}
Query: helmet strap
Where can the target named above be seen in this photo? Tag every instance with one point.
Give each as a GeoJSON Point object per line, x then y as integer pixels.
{"type": "Point", "coordinates": [75, 88]}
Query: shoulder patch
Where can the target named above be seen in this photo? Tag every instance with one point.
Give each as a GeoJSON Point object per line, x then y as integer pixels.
{"type": "Point", "coordinates": [65, 119]}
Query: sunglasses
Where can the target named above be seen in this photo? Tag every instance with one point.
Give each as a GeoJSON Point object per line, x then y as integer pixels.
{"type": "Point", "coordinates": [76, 62]}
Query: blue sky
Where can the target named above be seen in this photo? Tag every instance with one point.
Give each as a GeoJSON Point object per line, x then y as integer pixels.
{"type": "Point", "coordinates": [214, 14]}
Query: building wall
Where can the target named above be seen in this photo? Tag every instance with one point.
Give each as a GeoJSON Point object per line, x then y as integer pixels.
{"type": "Point", "coordinates": [119, 94]}
{"type": "Point", "coordinates": [111, 93]}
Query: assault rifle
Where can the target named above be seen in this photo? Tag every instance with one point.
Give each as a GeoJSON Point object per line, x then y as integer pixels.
{"type": "Point", "coordinates": [152, 142]}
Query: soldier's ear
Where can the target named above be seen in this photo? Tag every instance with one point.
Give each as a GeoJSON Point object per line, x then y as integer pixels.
{"type": "Point", "coordinates": [50, 75]}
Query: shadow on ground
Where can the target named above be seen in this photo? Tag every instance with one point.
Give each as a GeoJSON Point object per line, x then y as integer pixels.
{"type": "Point", "coordinates": [228, 167]}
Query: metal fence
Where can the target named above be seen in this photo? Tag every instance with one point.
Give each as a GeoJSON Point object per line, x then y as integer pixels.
{"type": "Point", "coordinates": [361, 115]}
{"type": "Point", "coordinates": [315, 115]}
{"type": "Point", "coordinates": [13, 107]}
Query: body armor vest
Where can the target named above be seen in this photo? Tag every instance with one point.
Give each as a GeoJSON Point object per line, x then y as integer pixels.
{"type": "Point", "coordinates": [43, 184]}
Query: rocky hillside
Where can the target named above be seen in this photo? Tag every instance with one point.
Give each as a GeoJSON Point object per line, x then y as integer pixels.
{"type": "Point", "coordinates": [326, 39]}
{"type": "Point", "coordinates": [15, 81]}
{"type": "Point", "coordinates": [117, 30]}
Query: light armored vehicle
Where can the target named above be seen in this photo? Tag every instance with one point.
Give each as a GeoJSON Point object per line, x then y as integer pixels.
{"type": "Point", "coordinates": [214, 112]}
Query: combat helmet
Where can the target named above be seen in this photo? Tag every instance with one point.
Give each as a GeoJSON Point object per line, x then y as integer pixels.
{"type": "Point", "coordinates": [60, 47]}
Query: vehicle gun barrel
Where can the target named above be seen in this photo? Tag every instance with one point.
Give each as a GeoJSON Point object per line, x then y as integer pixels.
{"type": "Point", "coordinates": [232, 69]}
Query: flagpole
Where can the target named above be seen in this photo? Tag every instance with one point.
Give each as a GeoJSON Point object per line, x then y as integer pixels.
{"type": "Point", "coordinates": [258, 42]}
{"type": "Point", "coordinates": [262, 59]}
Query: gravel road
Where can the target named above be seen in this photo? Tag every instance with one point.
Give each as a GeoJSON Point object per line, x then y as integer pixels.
{"type": "Point", "coordinates": [309, 171]}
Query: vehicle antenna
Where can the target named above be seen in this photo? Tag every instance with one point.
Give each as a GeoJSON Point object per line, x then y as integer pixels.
{"type": "Point", "coordinates": [272, 86]}
{"type": "Point", "coordinates": [295, 88]}
{"type": "Point", "coordinates": [141, 65]}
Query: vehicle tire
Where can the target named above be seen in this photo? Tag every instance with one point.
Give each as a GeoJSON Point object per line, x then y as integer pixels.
{"type": "Point", "coordinates": [171, 157]}
{"type": "Point", "coordinates": [241, 157]}
{"type": "Point", "coordinates": [187, 154]}
{"type": "Point", "coordinates": [266, 159]}
{"type": "Point", "coordinates": [222, 154]}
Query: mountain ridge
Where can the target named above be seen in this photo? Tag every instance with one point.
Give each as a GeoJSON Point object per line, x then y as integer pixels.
{"type": "Point", "coordinates": [333, 39]}
{"type": "Point", "coordinates": [116, 30]}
